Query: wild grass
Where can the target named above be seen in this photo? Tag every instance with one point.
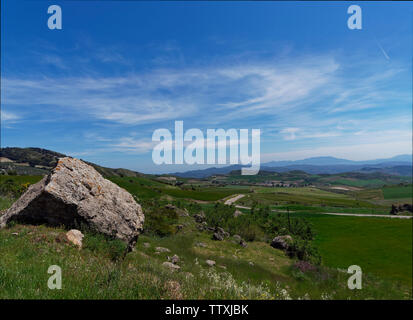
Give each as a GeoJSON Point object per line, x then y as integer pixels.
{"type": "Point", "coordinates": [91, 273]}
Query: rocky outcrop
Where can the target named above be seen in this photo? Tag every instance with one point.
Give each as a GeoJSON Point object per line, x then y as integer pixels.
{"type": "Point", "coordinates": [75, 194]}
{"type": "Point", "coordinates": [220, 234]}
{"type": "Point", "coordinates": [281, 242]}
{"type": "Point", "coordinates": [200, 217]}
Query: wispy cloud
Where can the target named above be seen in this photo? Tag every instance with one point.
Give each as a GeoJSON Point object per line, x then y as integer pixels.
{"type": "Point", "coordinates": [8, 116]}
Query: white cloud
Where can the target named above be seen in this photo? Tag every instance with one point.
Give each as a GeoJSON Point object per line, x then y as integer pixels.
{"type": "Point", "coordinates": [289, 133]}
{"type": "Point", "coordinates": [164, 94]}
{"type": "Point", "coordinates": [8, 116]}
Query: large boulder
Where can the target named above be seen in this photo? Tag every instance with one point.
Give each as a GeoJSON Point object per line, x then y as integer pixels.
{"type": "Point", "coordinates": [75, 194]}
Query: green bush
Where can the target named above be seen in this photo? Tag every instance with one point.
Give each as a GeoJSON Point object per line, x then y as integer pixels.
{"type": "Point", "coordinates": [160, 221]}
{"type": "Point", "coordinates": [10, 188]}
{"type": "Point", "coordinates": [100, 244]}
{"type": "Point", "coordinates": [304, 250]}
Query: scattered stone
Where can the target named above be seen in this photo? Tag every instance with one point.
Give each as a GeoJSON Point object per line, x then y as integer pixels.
{"type": "Point", "coordinates": [251, 263]}
{"type": "Point", "coordinates": [217, 236]}
{"type": "Point", "coordinates": [201, 244]}
{"type": "Point", "coordinates": [146, 244]}
{"type": "Point", "coordinates": [174, 259]}
{"type": "Point", "coordinates": [281, 242]}
{"type": "Point", "coordinates": [14, 234]}
{"type": "Point", "coordinates": [223, 267]}
{"type": "Point", "coordinates": [75, 193]}
{"type": "Point", "coordinates": [162, 249]}
{"type": "Point", "coordinates": [237, 213]}
{"type": "Point", "coordinates": [200, 217]}
{"type": "Point", "coordinates": [171, 266]}
{"type": "Point", "coordinates": [210, 263]}
{"type": "Point", "coordinates": [220, 234]}
{"type": "Point", "coordinates": [170, 207]}
{"type": "Point", "coordinates": [179, 227]}
{"type": "Point", "coordinates": [75, 236]}
{"type": "Point", "coordinates": [238, 240]}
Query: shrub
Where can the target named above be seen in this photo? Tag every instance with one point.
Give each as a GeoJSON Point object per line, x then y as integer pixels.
{"type": "Point", "coordinates": [101, 244]}
{"type": "Point", "coordinates": [160, 221]}
{"type": "Point", "coordinates": [304, 250]}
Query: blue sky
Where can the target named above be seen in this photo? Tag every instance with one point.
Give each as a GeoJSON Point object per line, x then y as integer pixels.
{"type": "Point", "coordinates": [117, 71]}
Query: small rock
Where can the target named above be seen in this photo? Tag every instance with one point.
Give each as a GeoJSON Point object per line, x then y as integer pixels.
{"type": "Point", "coordinates": [200, 217]}
{"type": "Point", "coordinates": [281, 242]}
{"type": "Point", "coordinates": [171, 266]}
{"type": "Point", "coordinates": [75, 236]}
{"type": "Point", "coordinates": [211, 263]}
{"type": "Point", "coordinates": [146, 244]}
{"type": "Point", "coordinates": [237, 213]}
{"type": "Point", "coordinates": [217, 236]}
{"type": "Point", "coordinates": [201, 244]}
{"type": "Point", "coordinates": [179, 227]}
{"type": "Point", "coordinates": [174, 259]}
{"type": "Point", "coordinates": [243, 243]}
{"type": "Point", "coordinates": [162, 249]}
{"type": "Point", "coordinates": [223, 267]}
{"type": "Point", "coordinates": [251, 263]}
{"type": "Point", "coordinates": [170, 206]}
{"type": "Point", "coordinates": [14, 234]}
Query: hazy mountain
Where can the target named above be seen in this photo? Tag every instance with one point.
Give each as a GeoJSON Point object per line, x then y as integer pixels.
{"type": "Point", "coordinates": [398, 165]}
{"type": "Point", "coordinates": [37, 161]}
{"type": "Point", "coordinates": [404, 159]}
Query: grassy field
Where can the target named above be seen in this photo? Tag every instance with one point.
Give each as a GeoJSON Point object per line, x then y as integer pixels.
{"type": "Point", "coordinates": [21, 179]}
{"type": "Point", "coordinates": [379, 246]}
{"type": "Point", "coordinates": [397, 192]}
{"type": "Point", "coordinates": [98, 271]}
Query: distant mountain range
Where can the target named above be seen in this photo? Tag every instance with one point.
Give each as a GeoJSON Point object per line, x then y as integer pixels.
{"type": "Point", "coordinates": [322, 161]}
{"type": "Point", "coordinates": [39, 161]}
{"type": "Point", "coordinates": [398, 165]}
